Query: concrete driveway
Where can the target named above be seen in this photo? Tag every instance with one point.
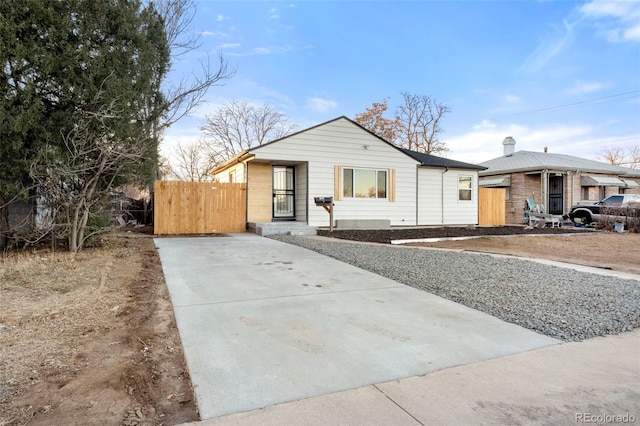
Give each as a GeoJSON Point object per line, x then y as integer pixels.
{"type": "Point", "coordinates": [263, 322]}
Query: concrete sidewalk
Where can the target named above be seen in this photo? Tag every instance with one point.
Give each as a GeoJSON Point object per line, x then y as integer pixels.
{"type": "Point", "coordinates": [595, 381]}
{"type": "Point", "coordinates": [264, 323]}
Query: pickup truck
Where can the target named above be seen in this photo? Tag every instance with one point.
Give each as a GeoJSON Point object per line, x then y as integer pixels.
{"type": "Point", "coordinates": [613, 208]}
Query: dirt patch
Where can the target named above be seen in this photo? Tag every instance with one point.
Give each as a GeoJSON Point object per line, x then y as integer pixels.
{"type": "Point", "coordinates": [609, 250]}
{"type": "Point", "coordinates": [91, 339]}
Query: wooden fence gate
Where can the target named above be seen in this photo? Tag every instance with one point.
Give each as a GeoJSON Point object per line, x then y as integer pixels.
{"type": "Point", "coordinates": [199, 207]}
{"type": "Point", "coordinates": [491, 206]}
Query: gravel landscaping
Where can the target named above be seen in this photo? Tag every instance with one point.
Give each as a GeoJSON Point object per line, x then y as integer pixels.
{"type": "Point", "coordinates": [558, 302]}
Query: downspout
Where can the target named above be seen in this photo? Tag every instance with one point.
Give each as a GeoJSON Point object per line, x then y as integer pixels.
{"type": "Point", "coordinates": [545, 190]}
{"type": "Point", "coordinates": [417, 194]}
{"type": "Point", "coordinates": [246, 195]}
{"type": "Point", "coordinates": [446, 169]}
{"type": "Point", "coordinates": [306, 213]}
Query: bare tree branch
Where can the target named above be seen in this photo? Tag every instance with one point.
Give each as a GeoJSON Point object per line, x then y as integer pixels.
{"type": "Point", "coordinates": [75, 179]}
{"type": "Point", "coordinates": [622, 156]}
{"type": "Point", "coordinates": [186, 93]}
{"type": "Point", "coordinates": [420, 118]}
{"type": "Point", "coordinates": [239, 126]}
{"type": "Point", "coordinates": [192, 162]}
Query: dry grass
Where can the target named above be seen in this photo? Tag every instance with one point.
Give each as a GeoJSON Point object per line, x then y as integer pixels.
{"type": "Point", "coordinates": [90, 339]}
{"type": "Point", "coordinates": [53, 302]}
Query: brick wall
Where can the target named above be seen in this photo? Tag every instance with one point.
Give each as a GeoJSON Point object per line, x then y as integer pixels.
{"type": "Point", "coordinates": [525, 186]}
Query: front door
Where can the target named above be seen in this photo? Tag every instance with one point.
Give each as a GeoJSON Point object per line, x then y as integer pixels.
{"type": "Point", "coordinates": [556, 201]}
{"type": "Point", "coordinates": [283, 192]}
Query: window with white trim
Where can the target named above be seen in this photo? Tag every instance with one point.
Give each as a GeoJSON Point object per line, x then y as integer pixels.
{"type": "Point", "coordinates": [364, 183]}
{"type": "Point", "coordinates": [464, 188]}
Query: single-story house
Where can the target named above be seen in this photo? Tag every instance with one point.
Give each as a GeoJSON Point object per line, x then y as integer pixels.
{"type": "Point", "coordinates": [369, 179]}
{"type": "Point", "coordinates": [554, 181]}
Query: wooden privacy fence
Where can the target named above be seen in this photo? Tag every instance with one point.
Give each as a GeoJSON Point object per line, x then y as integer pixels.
{"type": "Point", "coordinates": [198, 207]}
{"type": "Point", "coordinates": [491, 206]}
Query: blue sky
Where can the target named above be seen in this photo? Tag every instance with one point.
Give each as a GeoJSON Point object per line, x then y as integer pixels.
{"type": "Point", "coordinates": [558, 74]}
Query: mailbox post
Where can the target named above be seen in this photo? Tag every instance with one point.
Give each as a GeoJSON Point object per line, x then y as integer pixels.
{"type": "Point", "coordinates": [327, 204]}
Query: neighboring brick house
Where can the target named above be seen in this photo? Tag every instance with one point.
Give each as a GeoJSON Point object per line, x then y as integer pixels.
{"type": "Point", "coordinates": [554, 181]}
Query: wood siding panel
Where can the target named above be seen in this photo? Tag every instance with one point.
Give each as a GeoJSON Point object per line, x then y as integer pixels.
{"type": "Point", "coordinates": [259, 192]}
{"type": "Point", "coordinates": [340, 143]}
{"type": "Point", "coordinates": [198, 207]}
{"type": "Point", "coordinates": [491, 206]}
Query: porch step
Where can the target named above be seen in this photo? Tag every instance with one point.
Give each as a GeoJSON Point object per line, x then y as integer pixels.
{"type": "Point", "coordinates": [287, 228]}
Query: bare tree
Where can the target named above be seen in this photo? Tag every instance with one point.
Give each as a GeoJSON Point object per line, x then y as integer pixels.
{"type": "Point", "coordinates": [416, 126]}
{"type": "Point", "coordinates": [238, 126]}
{"type": "Point", "coordinates": [622, 156]}
{"type": "Point", "coordinates": [420, 118]}
{"type": "Point", "coordinates": [192, 162]}
{"type": "Point", "coordinates": [184, 94]}
{"type": "Point", "coordinates": [373, 121]}
{"type": "Point", "coordinates": [76, 179]}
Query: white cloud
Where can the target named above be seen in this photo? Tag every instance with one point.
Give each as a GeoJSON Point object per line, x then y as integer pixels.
{"type": "Point", "coordinates": [221, 18]}
{"type": "Point", "coordinates": [484, 142]}
{"type": "Point", "coordinates": [320, 104]}
{"type": "Point", "coordinates": [186, 134]}
{"type": "Point", "coordinates": [549, 47]}
{"type": "Point", "coordinates": [261, 50]}
{"type": "Point", "coordinates": [512, 99]}
{"type": "Point", "coordinates": [216, 34]}
{"type": "Point", "coordinates": [228, 46]}
{"type": "Point", "coordinates": [617, 21]}
{"type": "Point", "coordinates": [484, 124]}
{"type": "Point", "coordinates": [273, 13]}
{"type": "Point", "coordinates": [587, 87]}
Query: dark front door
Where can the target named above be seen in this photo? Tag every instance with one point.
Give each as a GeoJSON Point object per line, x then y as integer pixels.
{"type": "Point", "coordinates": [556, 202]}
{"type": "Point", "coordinates": [283, 192]}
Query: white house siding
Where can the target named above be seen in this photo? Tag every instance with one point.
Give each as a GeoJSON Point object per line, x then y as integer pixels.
{"type": "Point", "coordinates": [430, 196]}
{"type": "Point", "coordinates": [237, 171]}
{"type": "Point", "coordinates": [342, 143]}
{"type": "Point", "coordinates": [438, 202]}
{"type": "Point", "coordinates": [301, 191]}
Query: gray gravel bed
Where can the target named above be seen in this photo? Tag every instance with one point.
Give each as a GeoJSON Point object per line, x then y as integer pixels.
{"type": "Point", "coordinates": [558, 302]}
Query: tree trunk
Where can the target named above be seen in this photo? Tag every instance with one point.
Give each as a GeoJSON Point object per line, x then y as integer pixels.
{"type": "Point", "coordinates": [4, 223]}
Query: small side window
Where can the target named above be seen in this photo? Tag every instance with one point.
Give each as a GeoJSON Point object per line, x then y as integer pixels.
{"type": "Point", "coordinates": [464, 188]}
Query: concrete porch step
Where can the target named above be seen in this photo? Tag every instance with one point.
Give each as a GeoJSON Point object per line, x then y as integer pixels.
{"type": "Point", "coordinates": [279, 228]}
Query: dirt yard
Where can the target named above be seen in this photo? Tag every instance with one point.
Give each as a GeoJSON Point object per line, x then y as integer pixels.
{"type": "Point", "coordinates": [92, 340]}
{"type": "Point", "coordinates": [618, 252]}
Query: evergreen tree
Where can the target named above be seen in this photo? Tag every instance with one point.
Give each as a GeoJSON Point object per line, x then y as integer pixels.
{"type": "Point", "coordinates": [69, 64]}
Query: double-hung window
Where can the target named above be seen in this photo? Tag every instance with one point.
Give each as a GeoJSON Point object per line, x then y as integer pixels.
{"type": "Point", "coordinates": [364, 183]}
{"type": "Point", "coordinates": [464, 188]}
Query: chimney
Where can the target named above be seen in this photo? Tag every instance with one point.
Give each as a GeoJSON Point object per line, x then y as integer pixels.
{"type": "Point", "coordinates": [509, 146]}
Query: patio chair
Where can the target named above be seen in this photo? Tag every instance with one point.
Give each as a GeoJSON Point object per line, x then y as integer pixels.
{"type": "Point", "coordinates": [533, 207]}
{"type": "Point", "coordinates": [533, 212]}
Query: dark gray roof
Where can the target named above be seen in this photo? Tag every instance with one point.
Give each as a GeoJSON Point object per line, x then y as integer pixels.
{"type": "Point", "coordinates": [429, 160]}
{"type": "Point", "coordinates": [526, 161]}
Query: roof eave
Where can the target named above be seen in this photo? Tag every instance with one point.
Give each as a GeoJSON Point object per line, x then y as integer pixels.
{"type": "Point", "coordinates": [239, 158]}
